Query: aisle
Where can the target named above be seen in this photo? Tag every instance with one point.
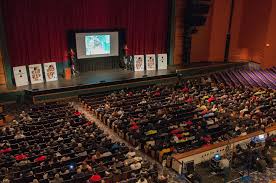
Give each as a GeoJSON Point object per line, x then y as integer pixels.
{"type": "Point", "coordinates": [113, 135]}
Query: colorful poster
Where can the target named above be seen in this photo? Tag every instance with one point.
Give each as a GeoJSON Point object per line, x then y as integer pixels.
{"type": "Point", "coordinates": [50, 70]}
{"type": "Point", "coordinates": [162, 61]}
{"type": "Point", "coordinates": [150, 62]}
{"type": "Point", "coordinates": [35, 71]}
{"type": "Point", "coordinates": [139, 63]}
{"type": "Point", "coordinates": [20, 75]}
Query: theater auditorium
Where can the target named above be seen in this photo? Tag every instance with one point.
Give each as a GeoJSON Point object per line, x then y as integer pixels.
{"type": "Point", "coordinates": [137, 91]}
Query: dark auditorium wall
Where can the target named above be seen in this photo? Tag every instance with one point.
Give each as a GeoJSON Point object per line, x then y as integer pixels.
{"type": "Point", "coordinates": [253, 26]}
{"type": "Point", "coordinates": [36, 29]}
{"type": "Point", "coordinates": [201, 40]}
{"type": "Point", "coordinates": [2, 72]}
{"type": "Point", "coordinates": [209, 43]}
{"type": "Point", "coordinates": [179, 31]}
{"type": "Point", "coordinates": [220, 16]}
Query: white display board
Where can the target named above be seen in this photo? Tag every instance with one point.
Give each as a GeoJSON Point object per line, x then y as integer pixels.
{"type": "Point", "coordinates": [35, 71]}
{"type": "Point", "coordinates": [139, 63]}
{"type": "Point", "coordinates": [150, 62]}
{"type": "Point", "coordinates": [20, 75]}
{"type": "Point", "coordinates": [162, 61]}
{"type": "Point", "coordinates": [50, 70]}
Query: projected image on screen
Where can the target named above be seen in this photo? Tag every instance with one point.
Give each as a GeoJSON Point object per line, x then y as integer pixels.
{"type": "Point", "coordinates": [97, 44]}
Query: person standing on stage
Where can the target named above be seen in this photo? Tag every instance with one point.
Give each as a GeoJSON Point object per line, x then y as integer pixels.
{"type": "Point", "coordinates": [73, 62]}
{"type": "Point", "coordinates": [126, 57]}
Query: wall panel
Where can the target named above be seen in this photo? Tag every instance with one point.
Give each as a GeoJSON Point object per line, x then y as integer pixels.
{"type": "Point", "coordinates": [2, 72]}
{"type": "Point", "coordinates": [179, 31]}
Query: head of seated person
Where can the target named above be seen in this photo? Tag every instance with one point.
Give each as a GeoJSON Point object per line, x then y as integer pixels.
{"type": "Point", "coordinates": [142, 180]}
{"type": "Point", "coordinates": [85, 167]}
{"type": "Point", "coordinates": [79, 174]}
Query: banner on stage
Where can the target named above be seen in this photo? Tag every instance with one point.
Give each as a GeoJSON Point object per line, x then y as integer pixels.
{"type": "Point", "coordinates": [50, 70]}
{"type": "Point", "coordinates": [35, 71]}
{"type": "Point", "coordinates": [162, 61]}
{"type": "Point", "coordinates": [139, 63]}
{"type": "Point", "coordinates": [20, 75]}
{"type": "Point", "coordinates": [150, 62]}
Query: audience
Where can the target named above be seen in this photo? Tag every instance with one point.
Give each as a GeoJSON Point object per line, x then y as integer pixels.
{"type": "Point", "coordinates": [176, 118]}
{"type": "Point", "coordinates": [52, 142]}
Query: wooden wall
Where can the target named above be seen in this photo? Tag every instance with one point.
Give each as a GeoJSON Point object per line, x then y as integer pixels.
{"type": "Point", "coordinates": [269, 58]}
{"type": "Point", "coordinates": [252, 34]}
{"type": "Point", "coordinates": [179, 31]}
{"type": "Point", "coordinates": [2, 73]}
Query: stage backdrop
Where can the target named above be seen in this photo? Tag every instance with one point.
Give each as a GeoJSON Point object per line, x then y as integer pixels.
{"type": "Point", "coordinates": [36, 30]}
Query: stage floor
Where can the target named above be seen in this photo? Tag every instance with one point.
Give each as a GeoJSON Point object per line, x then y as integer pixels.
{"type": "Point", "coordinates": [95, 77]}
{"type": "Point", "coordinates": [116, 76]}
{"type": "Point", "coordinates": [99, 81]}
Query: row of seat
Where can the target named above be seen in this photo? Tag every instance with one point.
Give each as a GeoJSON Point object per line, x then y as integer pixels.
{"type": "Point", "coordinates": [249, 78]}
{"type": "Point", "coordinates": [45, 119]}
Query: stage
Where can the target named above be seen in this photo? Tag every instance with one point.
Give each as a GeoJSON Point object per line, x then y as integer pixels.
{"type": "Point", "coordinates": [99, 81]}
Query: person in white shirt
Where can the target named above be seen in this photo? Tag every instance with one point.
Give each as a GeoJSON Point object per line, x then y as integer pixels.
{"type": "Point", "coordinates": [19, 135]}
{"type": "Point", "coordinates": [131, 153]}
{"type": "Point", "coordinates": [135, 166]}
{"type": "Point", "coordinates": [224, 165]}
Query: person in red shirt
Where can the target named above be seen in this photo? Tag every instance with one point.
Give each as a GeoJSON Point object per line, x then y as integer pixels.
{"type": "Point", "coordinates": [88, 123]}
{"type": "Point", "coordinates": [77, 113]}
{"type": "Point", "coordinates": [40, 158]}
{"type": "Point", "coordinates": [185, 89]}
{"type": "Point", "coordinates": [20, 157]}
{"type": "Point", "coordinates": [96, 178]}
{"type": "Point", "coordinates": [130, 94]}
{"type": "Point", "coordinates": [157, 93]}
{"type": "Point", "coordinates": [134, 127]}
{"type": "Point", "coordinates": [211, 99]}
{"type": "Point", "coordinates": [188, 122]}
{"type": "Point", "coordinates": [6, 150]}
{"type": "Point", "coordinates": [175, 131]}
{"type": "Point", "coordinates": [207, 139]}
{"type": "Point", "coordinates": [189, 100]}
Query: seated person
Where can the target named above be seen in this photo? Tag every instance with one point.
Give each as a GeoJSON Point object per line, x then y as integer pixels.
{"type": "Point", "coordinates": [136, 165]}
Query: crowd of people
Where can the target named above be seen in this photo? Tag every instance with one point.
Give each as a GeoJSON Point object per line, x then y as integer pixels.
{"type": "Point", "coordinates": [167, 119]}
{"type": "Point", "coordinates": [55, 143]}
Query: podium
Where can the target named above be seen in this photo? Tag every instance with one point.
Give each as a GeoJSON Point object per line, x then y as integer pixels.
{"type": "Point", "coordinates": [67, 73]}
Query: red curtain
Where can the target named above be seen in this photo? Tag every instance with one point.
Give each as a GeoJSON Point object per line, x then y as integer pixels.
{"type": "Point", "coordinates": [36, 29]}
